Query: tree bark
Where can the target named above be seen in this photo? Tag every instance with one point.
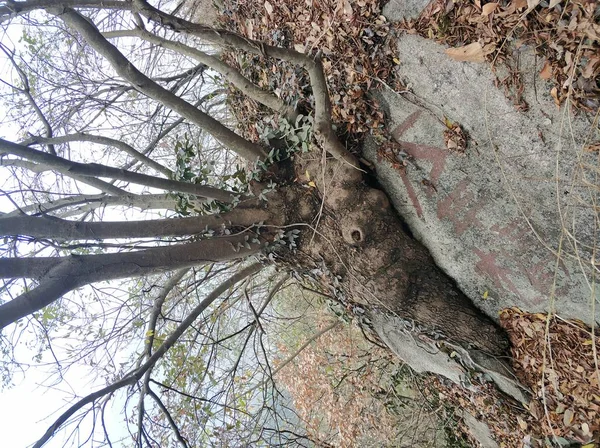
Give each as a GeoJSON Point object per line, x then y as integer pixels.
{"type": "Point", "coordinates": [63, 230]}
{"type": "Point", "coordinates": [11, 9]}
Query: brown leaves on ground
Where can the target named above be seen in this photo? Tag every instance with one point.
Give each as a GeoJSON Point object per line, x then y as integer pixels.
{"type": "Point", "coordinates": [484, 403]}
{"type": "Point", "coordinates": [555, 358]}
{"type": "Point", "coordinates": [566, 34]}
{"type": "Point", "coordinates": [332, 393]}
{"type": "Point", "coordinates": [355, 41]}
{"type": "Point", "coordinates": [565, 386]}
{"type": "Point", "coordinates": [342, 391]}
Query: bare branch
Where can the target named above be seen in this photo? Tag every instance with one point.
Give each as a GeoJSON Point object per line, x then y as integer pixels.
{"type": "Point", "coordinates": [169, 418]}
{"type": "Point", "coordinates": [96, 170]}
{"type": "Point", "coordinates": [26, 90]}
{"type": "Point", "coordinates": [248, 150]}
{"type": "Point", "coordinates": [40, 168]}
{"type": "Point", "coordinates": [229, 73]}
{"type": "Point", "coordinates": [86, 203]}
{"type": "Point", "coordinates": [82, 137]}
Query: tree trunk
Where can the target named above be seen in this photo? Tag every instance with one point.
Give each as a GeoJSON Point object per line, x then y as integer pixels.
{"type": "Point", "coordinates": [361, 244]}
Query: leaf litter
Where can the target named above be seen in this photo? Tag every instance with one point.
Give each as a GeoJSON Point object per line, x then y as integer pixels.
{"type": "Point", "coordinates": [358, 52]}
{"type": "Point", "coordinates": [564, 34]}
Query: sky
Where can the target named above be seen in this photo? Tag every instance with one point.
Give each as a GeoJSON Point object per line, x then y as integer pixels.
{"type": "Point", "coordinates": [29, 408]}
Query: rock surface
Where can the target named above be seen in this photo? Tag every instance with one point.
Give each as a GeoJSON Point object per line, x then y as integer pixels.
{"type": "Point", "coordinates": [512, 220]}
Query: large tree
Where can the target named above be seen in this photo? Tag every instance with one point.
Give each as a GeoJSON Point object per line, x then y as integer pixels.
{"type": "Point", "coordinates": [122, 163]}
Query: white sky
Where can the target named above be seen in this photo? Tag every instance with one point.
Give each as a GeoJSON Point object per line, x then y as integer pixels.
{"type": "Point", "coordinates": [29, 408]}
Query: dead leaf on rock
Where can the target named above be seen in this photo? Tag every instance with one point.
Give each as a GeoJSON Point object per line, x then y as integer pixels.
{"type": "Point", "coordinates": [546, 72]}
{"type": "Point", "coordinates": [469, 53]}
{"type": "Point", "coordinates": [594, 147]}
{"type": "Point", "coordinates": [554, 94]}
{"type": "Point", "coordinates": [455, 138]}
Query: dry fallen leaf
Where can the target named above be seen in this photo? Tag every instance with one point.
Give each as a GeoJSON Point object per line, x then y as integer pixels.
{"type": "Point", "coordinates": [553, 3]}
{"type": "Point", "coordinates": [269, 7]}
{"type": "Point", "coordinates": [488, 8]}
{"type": "Point", "coordinates": [568, 417]}
{"type": "Point", "coordinates": [546, 72]}
{"type": "Point", "coordinates": [590, 68]}
{"type": "Point", "coordinates": [554, 93]}
{"type": "Point", "coordinates": [469, 53]}
{"type": "Point", "coordinates": [520, 4]}
{"type": "Point", "coordinates": [347, 8]}
{"type": "Point", "coordinates": [249, 28]}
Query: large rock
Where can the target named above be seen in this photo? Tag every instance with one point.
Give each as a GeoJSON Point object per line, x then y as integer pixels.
{"type": "Point", "coordinates": [513, 220]}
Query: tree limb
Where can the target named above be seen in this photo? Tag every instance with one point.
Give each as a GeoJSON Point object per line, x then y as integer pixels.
{"type": "Point", "coordinates": [61, 229]}
{"type": "Point", "coordinates": [105, 187]}
{"type": "Point", "coordinates": [246, 149]}
{"type": "Point", "coordinates": [12, 8]}
{"type": "Point", "coordinates": [229, 73]}
{"type": "Point", "coordinates": [82, 137]}
{"type": "Point", "coordinates": [85, 203]}
{"type": "Point", "coordinates": [65, 274]}
{"type": "Point", "coordinates": [223, 38]}
{"type": "Point", "coordinates": [69, 167]}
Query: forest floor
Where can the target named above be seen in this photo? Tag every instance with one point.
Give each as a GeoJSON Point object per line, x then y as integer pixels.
{"type": "Point", "coordinates": [555, 358]}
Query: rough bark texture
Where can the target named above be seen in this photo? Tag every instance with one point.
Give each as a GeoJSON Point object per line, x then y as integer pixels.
{"type": "Point", "coordinates": [362, 241]}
